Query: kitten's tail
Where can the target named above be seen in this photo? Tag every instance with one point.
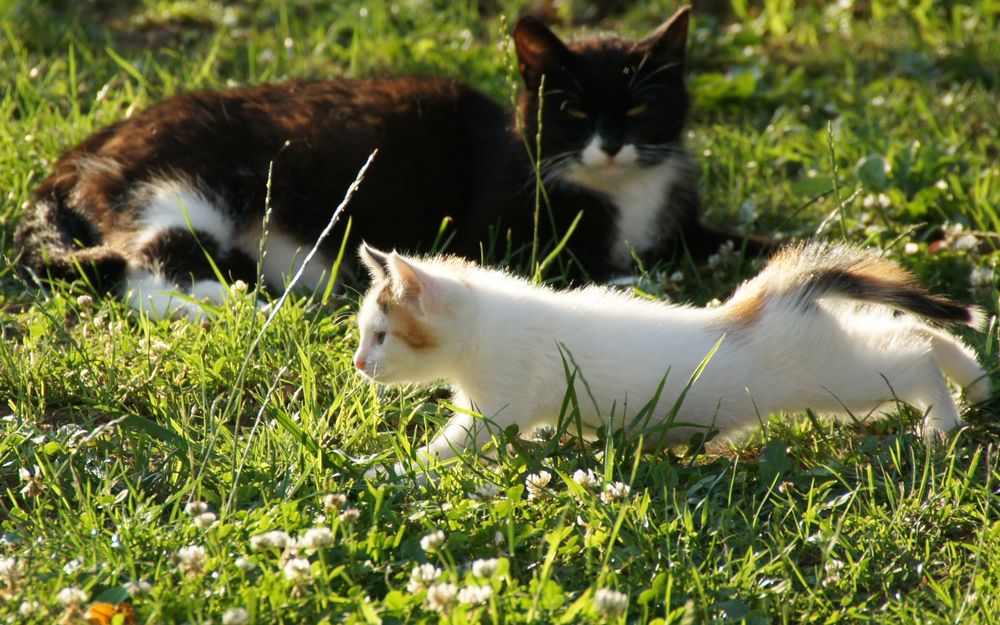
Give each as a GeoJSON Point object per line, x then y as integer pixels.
{"type": "Point", "coordinates": [799, 275]}
{"type": "Point", "coordinates": [54, 242]}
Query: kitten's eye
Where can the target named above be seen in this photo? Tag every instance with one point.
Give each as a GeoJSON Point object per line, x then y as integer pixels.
{"type": "Point", "coordinates": [379, 338]}
{"type": "Point", "coordinates": [638, 109]}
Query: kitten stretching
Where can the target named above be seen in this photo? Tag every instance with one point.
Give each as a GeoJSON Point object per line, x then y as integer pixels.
{"type": "Point", "coordinates": [150, 198]}
{"type": "Point", "coordinates": [820, 327]}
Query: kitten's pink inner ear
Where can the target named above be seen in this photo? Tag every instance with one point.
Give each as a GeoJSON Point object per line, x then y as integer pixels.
{"type": "Point", "coordinates": [409, 282]}
{"type": "Point", "coordinates": [374, 260]}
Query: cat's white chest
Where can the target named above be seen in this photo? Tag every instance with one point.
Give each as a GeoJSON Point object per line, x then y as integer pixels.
{"type": "Point", "coordinates": [640, 195]}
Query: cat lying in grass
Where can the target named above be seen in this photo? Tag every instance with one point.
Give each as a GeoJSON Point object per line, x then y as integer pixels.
{"type": "Point", "coordinates": [169, 200]}
{"type": "Point", "coordinates": [827, 327]}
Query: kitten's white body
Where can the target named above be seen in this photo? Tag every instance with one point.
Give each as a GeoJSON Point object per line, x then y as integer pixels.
{"type": "Point", "coordinates": [502, 344]}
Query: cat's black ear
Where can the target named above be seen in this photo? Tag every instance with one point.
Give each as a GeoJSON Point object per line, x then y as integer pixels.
{"type": "Point", "coordinates": [539, 51]}
{"type": "Point", "coordinates": [377, 262]}
{"type": "Point", "coordinates": [667, 43]}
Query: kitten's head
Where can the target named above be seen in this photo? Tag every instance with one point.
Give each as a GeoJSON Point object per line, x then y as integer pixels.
{"type": "Point", "coordinates": [406, 320]}
{"type": "Point", "coordinates": [609, 105]}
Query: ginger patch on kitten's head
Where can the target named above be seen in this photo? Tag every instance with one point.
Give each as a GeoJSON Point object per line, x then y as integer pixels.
{"type": "Point", "coordinates": [396, 336]}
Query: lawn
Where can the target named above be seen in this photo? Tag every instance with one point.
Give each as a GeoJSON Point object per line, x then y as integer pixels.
{"type": "Point", "coordinates": [167, 466]}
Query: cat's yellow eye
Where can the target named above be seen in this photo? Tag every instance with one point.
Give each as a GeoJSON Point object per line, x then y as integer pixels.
{"type": "Point", "coordinates": [638, 109]}
{"type": "Point", "coordinates": [575, 113]}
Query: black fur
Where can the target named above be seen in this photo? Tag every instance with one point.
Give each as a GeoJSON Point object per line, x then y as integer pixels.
{"type": "Point", "coordinates": [899, 295]}
{"type": "Point", "coordinates": [446, 151]}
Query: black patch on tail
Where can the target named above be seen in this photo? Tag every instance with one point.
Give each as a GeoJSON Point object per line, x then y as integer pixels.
{"type": "Point", "coordinates": [179, 254]}
{"type": "Point", "coordinates": [908, 297]}
{"type": "Point", "coordinates": [56, 243]}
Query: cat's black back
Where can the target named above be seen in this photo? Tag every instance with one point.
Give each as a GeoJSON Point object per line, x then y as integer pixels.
{"type": "Point", "coordinates": [446, 151]}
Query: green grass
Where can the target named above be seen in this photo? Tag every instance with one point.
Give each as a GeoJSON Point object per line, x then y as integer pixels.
{"type": "Point", "coordinates": [878, 121]}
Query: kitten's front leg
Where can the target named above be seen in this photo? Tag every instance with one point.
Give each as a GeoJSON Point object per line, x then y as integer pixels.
{"type": "Point", "coordinates": [463, 431]}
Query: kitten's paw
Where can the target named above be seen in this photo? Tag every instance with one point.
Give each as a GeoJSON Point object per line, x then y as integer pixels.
{"type": "Point", "coordinates": [396, 473]}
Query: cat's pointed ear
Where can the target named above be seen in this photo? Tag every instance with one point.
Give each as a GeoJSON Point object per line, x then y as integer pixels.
{"type": "Point", "coordinates": [411, 285]}
{"type": "Point", "coordinates": [666, 44]}
{"type": "Point", "coordinates": [539, 51]}
{"type": "Point", "coordinates": [377, 262]}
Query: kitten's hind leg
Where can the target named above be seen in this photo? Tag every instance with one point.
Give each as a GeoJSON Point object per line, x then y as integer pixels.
{"type": "Point", "coordinates": [959, 363]}
{"type": "Point", "coordinates": [922, 385]}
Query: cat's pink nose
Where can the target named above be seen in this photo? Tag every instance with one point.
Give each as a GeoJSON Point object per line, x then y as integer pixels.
{"type": "Point", "coordinates": [359, 362]}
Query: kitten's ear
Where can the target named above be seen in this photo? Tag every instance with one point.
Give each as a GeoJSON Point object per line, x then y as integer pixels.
{"type": "Point", "coordinates": [375, 261]}
{"type": "Point", "coordinates": [411, 285]}
{"type": "Point", "coordinates": [666, 44]}
{"type": "Point", "coordinates": [539, 51]}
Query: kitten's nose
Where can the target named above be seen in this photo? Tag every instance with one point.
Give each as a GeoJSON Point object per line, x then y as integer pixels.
{"type": "Point", "coordinates": [359, 362]}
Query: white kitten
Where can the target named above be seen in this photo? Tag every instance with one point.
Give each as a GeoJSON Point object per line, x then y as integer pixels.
{"type": "Point", "coordinates": [818, 328]}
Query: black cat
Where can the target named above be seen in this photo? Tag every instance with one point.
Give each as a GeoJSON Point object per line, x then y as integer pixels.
{"type": "Point", "coordinates": [150, 198]}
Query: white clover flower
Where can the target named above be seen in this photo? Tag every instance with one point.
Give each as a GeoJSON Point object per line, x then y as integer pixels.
{"type": "Point", "coordinates": [536, 483]}
{"type": "Point", "coordinates": [84, 301]}
{"type": "Point", "coordinates": [316, 538]}
{"type": "Point", "coordinates": [349, 516]}
{"type": "Point", "coordinates": [911, 248]}
{"type": "Point", "coordinates": [205, 520]}
{"type": "Point", "coordinates": [441, 597]}
{"type": "Point", "coordinates": [543, 433]}
{"type": "Point", "coordinates": [499, 540]}
{"type": "Point", "coordinates": [10, 568]}
{"type": "Point", "coordinates": [33, 484]}
{"type": "Point", "coordinates": [475, 595]}
{"type": "Point", "coordinates": [334, 502]}
{"type": "Point", "coordinates": [29, 608]}
{"type": "Point", "coordinates": [298, 570]}
{"type": "Point", "coordinates": [275, 539]}
{"type": "Point", "coordinates": [485, 492]}
{"type": "Point", "coordinates": [71, 597]}
{"type": "Point", "coordinates": [615, 491]}
{"type": "Point", "coordinates": [235, 616]}
{"type": "Point", "coordinates": [610, 604]}
{"type": "Point", "coordinates": [421, 577]}
{"type": "Point", "coordinates": [245, 564]}
{"type": "Point", "coordinates": [138, 588]}
{"type": "Point", "coordinates": [238, 287]}
{"type": "Point", "coordinates": [587, 479]}
{"type": "Point", "coordinates": [965, 242]}
{"type": "Point", "coordinates": [981, 276]}
{"type": "Point", "coordinates": [484, 569]}
{"type": "Point", "coordinates": [191, 559]}
{"type": "Point", "coordinates": [72, 566]}
{"type": "Point", "coordinates": [433, 541]}
{"type": "Point", "coordinates": [194, 508]}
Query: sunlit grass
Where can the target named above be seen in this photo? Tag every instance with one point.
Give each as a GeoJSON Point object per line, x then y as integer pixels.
{"type": "Point", "coordinates": [113, 424]}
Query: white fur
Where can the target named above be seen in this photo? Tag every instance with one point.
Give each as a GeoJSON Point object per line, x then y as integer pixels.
{"type": "Point", "coordinates": [639, 193]}
{"type": "Point", "coordinates": [169, 204]}
{"type": "Point", "coordinates": [154, 295]}
{"type": "Point", "coordinates": [501, 343]}
{"type": "Point", "coordinates": [283, 256]}
{"type": "Point", "coordinates": [173, 204]}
